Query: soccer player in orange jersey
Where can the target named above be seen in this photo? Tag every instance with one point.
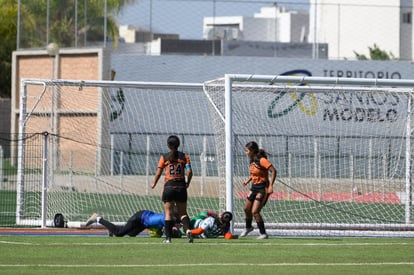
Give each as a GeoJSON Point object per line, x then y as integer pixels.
{"type": "Point", "coordinates": [177, 167]}
{"type": "Point", "coordinates": [261, 187]}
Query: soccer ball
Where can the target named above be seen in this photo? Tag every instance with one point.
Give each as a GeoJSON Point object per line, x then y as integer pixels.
{"type": "Point", "coordinates": [155, 232]}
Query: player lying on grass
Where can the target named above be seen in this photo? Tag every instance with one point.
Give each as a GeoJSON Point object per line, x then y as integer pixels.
{"type": "Point", "coordinates": [207, 224]}
{"type": "Point", "coordinates": [141, 220]}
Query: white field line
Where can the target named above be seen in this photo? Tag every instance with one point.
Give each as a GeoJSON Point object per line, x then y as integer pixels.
{"type": "Point", "coordinates": [207, 243]}
{"type": "Point", "coordinates": [16, 243]}
{"type": "Point", "coordinates": [208, 264]}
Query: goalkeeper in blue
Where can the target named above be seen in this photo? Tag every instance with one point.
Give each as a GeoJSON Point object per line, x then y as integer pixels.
{"type": "Point", "coordinates": [207, 224]}
{"type": "Point", "coordinates": [141, 220]}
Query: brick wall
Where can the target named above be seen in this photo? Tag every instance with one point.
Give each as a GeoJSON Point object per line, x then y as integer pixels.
{"type": "Point", "coordinates": [71, 64]}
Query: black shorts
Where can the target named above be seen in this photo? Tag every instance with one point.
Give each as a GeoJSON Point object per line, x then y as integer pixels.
{"type": "Point", "coordinates": [257, 189]}
{"type": "Point", "coordinates": [174, 191]}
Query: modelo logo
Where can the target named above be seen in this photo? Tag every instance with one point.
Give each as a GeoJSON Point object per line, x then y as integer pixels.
{"type": "Point", "coordinates": [375, 110]}
{"type": "Point", "coordinates": [297, 101]}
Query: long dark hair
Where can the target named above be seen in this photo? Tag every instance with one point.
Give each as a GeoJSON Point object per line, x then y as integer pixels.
{"type": "Point", "coordinates": [173, 142]}
{"type": "Point", "coordinates": [254, 148]}
{"type": "Point", "coordinates": [225, 219]}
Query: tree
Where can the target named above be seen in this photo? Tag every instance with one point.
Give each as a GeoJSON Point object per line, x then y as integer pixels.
{"type": "Point", "coordinates": [375, 53]}
{"type": "Point", "coordinates": [62, 23]}
{"type": "Point", "coordinates": [73, 23]}
{"type": "Point", "coordinates": [8, 27]}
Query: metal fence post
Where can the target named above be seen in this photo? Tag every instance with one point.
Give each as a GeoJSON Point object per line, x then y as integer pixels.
{"type": "Point", "coordinates": [44, 179]}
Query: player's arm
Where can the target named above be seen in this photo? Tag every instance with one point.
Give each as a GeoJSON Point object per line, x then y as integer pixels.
{"type": "Point", "coordinates": [157, 176]}
{"type": "Point", "coordinates": [158, 173]}
{"type": "Point", "coordinates": [273, 174]}
{"type": "Point", "coordinates": [188, 170]}
{"type": "Point", "coordinates": [228, 235]}
{"type": "Point", "coordinates": [197, 231]}
{"type": "Point", "coordinates": [246, 182]}
{"type": "Point", "coordinates": [204, 226]}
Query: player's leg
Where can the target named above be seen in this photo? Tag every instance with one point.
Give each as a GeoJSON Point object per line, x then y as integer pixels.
{"type": "Point", "coordinates": [248, 214]}
{"type": "Point", "coordinates": [133, 226]}
{"type": "Point", "coordinates": [168, 199]}
{"type": "Point", "coordinates": [256, 208]}
{"type": "Point", "coordinates": [169, 221]}
{"type": "Point", "coordinates": [112, 228]}
{"type": "Point", "coordinates": [185, 220]}
{"type": "Point", "coordinates": [265, 198]}
{"type": "Point", "coordinates": [95, 218]}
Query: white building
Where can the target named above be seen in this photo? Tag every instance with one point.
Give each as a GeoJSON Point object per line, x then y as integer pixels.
{"type": "Point", "coordinates": [272, 24]}
{"type": "Point", "coordinates": [335, 29]}
{"type": "Point", "coordinates": [352, 26]}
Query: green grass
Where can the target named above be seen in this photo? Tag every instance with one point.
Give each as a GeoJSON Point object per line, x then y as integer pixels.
{"type": "Point", "coordinates": [143, 255]}
{"type": "Point", "coordinates": [287, 211]}
{"type": "Point", "coordinates": [8, 168]}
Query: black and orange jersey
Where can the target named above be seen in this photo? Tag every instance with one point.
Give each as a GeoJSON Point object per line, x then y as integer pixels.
{"type": "Point", "coordinates": [259, 170]}
{"type": "Point", "coordinates": [175, 170]}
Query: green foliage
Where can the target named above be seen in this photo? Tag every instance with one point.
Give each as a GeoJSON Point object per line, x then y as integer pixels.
{"type": "Point", "coordinates": [375, 53]}
{"type": "Point", "coordinates": [62, 21]}
{"type": "Point", "coordinates": [33, 30]}
{"type": "Point", "coordinates": [8, 27]}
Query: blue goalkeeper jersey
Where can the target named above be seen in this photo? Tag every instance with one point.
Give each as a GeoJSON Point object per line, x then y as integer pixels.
{"type": "Point", "coordinates": [153, 220]}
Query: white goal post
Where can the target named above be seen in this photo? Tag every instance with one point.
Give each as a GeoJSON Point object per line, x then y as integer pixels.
{"type": "Point", "coordinates": [342, 148]}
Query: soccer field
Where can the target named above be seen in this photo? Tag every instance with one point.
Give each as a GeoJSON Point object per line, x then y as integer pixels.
{"type": "Point", "coordinates": [144, 255]}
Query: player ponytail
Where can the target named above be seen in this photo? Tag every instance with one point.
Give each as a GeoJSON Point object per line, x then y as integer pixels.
{"type": "Point", "coordinates": [262, 154]}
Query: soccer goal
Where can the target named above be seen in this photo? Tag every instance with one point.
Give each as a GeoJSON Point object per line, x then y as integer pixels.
{"type": "Point", "coordinates": [94, 146]}
{"type": "Point", "coordinates": [342, 149]}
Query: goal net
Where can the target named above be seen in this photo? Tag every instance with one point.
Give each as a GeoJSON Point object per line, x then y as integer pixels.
{"type": "Point", "coordinates": [94, 146]}
{"type": "Point", "coordinates": [342, 149]}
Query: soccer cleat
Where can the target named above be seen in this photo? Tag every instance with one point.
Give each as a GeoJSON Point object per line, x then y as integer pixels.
{"type": "Point", "coordinates": [110, 234]}
{"type": "Point", "coordinates": [167, 241]}
{"type": "Point", "coordinates": [246, 231]}
{"type": "Point", "coordinates": [92, 219]}
{"type": "Point", "coordinates": [262, 236]}
{"type": "Point", "coordinates": [189, 235]}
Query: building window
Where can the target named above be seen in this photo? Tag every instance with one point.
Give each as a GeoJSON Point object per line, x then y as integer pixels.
{"type": "Point", "coordinates": [407, 18]}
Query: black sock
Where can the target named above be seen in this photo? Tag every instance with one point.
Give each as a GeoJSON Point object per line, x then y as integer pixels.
{"type": "Point", "coordinates": [261, 227]}
{"type": "Point", "coordinates": [168, 229]}
{"type": "Point", "coordinates": [248, 223]}
{"type": "Point", "coordinates": [186, 223]}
